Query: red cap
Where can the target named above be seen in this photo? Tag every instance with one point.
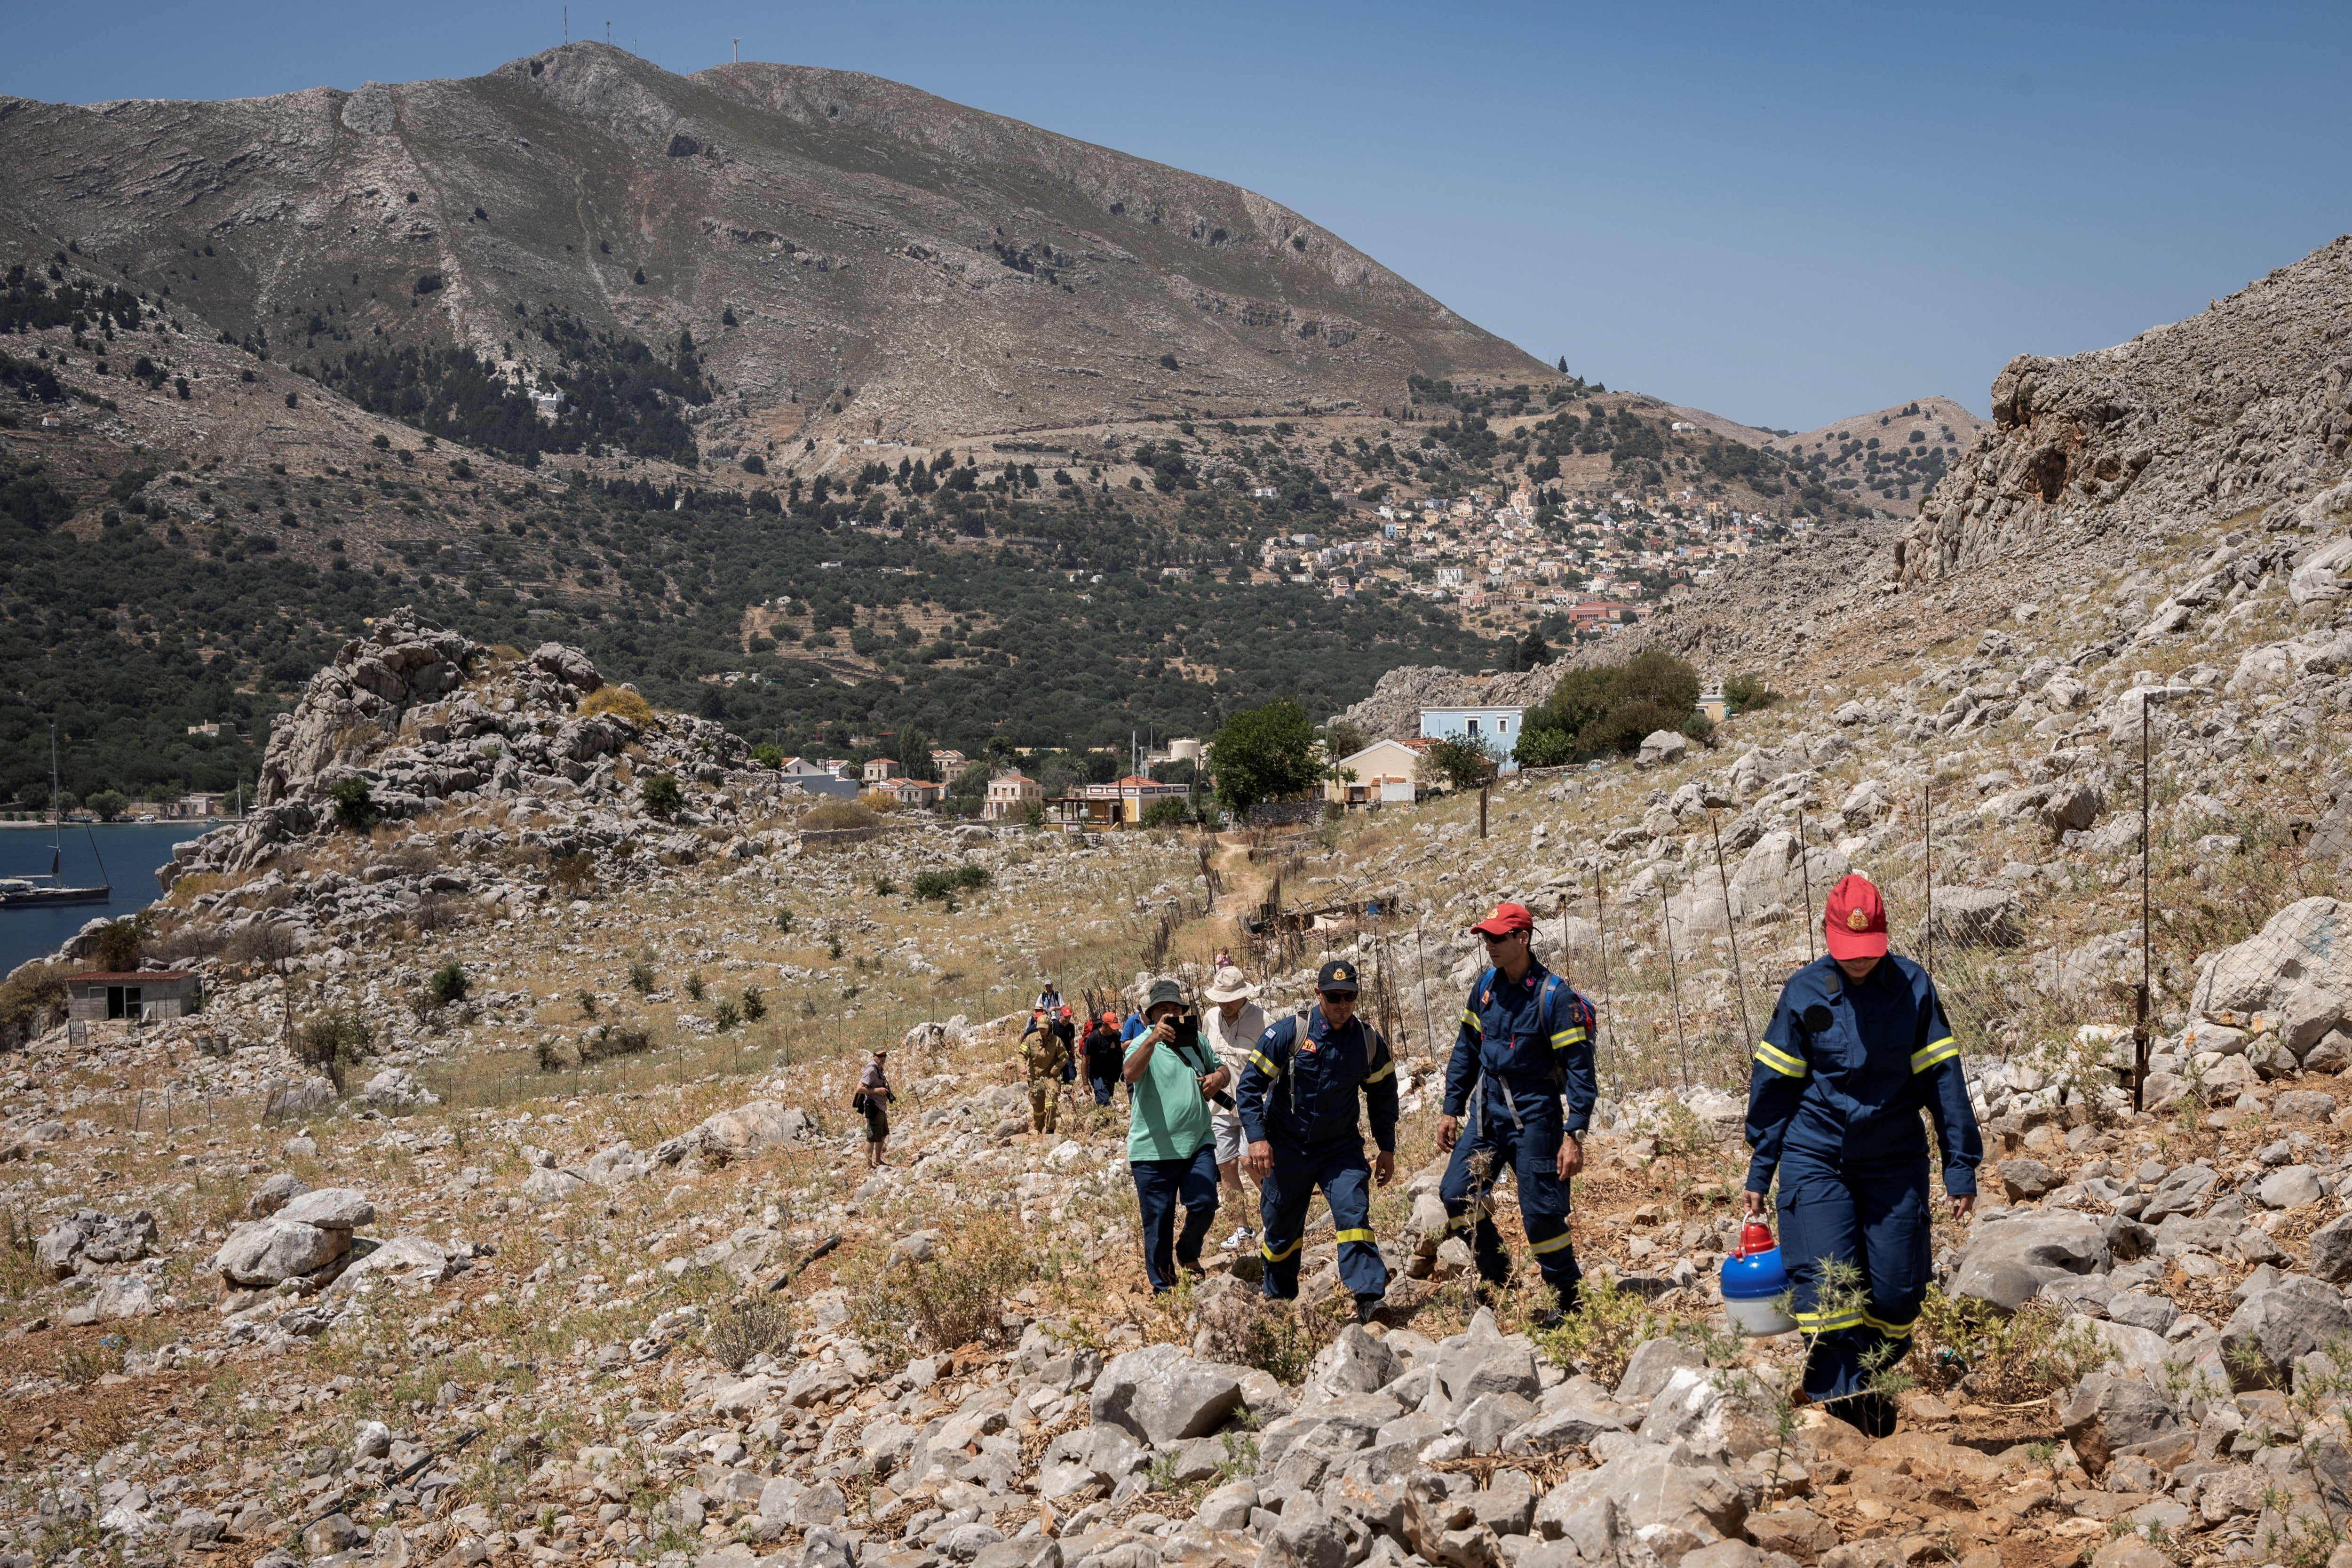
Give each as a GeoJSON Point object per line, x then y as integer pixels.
{"type": "Point", "coordinates": [1506, 919]}
{"type": "Point", "coordinates": [1853, 924]}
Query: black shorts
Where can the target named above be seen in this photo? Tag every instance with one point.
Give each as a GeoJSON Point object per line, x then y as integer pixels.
{"type": "Point", "coordinates": [877, 1121]}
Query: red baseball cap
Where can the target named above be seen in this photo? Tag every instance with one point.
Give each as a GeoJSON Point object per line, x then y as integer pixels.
{"type": "Point", "coordinates": [1506, 919]}
{"type": "Point", "coordinates": [1853, 924]}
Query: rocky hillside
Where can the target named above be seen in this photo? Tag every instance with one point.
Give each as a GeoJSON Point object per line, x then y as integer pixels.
{"type": "Point", "coordinates": [852, 257]}
{"type": "Point", "coordinates": [2209, 456]}
{"type": "Point", "coordinates": [507, 1209]}
{"type": "Point", "coordinates": [2197, 424]}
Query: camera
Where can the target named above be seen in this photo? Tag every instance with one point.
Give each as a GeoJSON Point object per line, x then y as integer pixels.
{"type": "Point", "coordinates": [1186, 1032]}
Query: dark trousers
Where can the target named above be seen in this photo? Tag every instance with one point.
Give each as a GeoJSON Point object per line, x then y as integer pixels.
{"type": "Point", "coordinates": [1104, 1082]}
{"type": "Point", "coordinates": [1529, 1152]}
{"type": "Point", "coordinates": [1874, 1217]}
{"type": "Point", "coordinates": [1160, 1186]}
{"type": "Point", "coordinates": [1346, 1178]}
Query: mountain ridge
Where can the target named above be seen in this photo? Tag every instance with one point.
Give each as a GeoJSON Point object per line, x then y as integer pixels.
{"type": "Point", "coordinates": [853, 257]}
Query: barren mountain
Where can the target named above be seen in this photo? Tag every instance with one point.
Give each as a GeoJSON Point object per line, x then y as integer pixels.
{"type": "Point", "coordinates": [849, 254]}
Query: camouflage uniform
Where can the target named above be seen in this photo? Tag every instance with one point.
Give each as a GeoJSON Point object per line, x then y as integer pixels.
{"type": "Point", "coordinates": [1044, 1054]}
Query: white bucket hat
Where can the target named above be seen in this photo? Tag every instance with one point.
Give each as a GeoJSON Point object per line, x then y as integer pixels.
{"type": "Point", "coordinates": [1230, 984]}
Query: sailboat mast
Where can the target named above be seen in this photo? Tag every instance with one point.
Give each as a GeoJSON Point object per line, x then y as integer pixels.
{"type": "Point", "coordinates": [57, 812]}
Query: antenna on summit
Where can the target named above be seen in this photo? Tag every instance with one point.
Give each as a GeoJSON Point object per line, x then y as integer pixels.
{"type": "Point", "coordinates": [739, 51]}
{"type": "Point", "coordinates": [567, 24]}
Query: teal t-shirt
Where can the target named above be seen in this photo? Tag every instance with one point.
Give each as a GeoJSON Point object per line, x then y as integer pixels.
{"type": "Point", "coordinates": [1166, 1117]}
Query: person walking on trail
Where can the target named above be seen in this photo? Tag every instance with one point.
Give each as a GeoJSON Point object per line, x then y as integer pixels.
{"type": "Point", "coordinates": [1858, 1047]}
{"type": "Point", "coordinates": [1171, 1147]}
{"type": "Point", "coordinates": [1520, 1091]}
{"type": "Point", "coordinates": [1049, 1000]}
{"type": "Point", "coordinates": [1104, 1055]}
{"type": "Point", "coordinates": [872, 1100]}
{"type": "Point", "coordinates": [1044, 1052]}
{"type": "Point", "coordinates": [1066, 1031]}
{"type": "Point", "coordinates": [1231, 1025]}
{"type": "Point", "coordinates": [1297, 1107]}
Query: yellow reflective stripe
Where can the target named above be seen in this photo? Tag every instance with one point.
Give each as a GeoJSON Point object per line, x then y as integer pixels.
{"type": "Point", "coordinates": [1470, 1020]}
{"type": "Point", "coordinates": [1566, 1039]}
{"type": "Point", "coordinates": [1891, 1330]}
{"type": "Point", "coordinates": [1363, 1236]}
{"type": "Point", "coordinates": [1271, 1256]}
{"type": "Point", "coordinates": [1780, 1061]}
{"type": "Point", "coordinates": [1829, 1322]}
{"type": "Point", "coordinates": [1265, 1066]}
{"type": "Point", "coordinates": [1388, 1069]}
{"type": "Point", "coordinates": [1554, 1245]}
{"type": "Point", "coordinates": [1935, 1051]}
{"type": "Point", "coordinates": [1464, 1221]}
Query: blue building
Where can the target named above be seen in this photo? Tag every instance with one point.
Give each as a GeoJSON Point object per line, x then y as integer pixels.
{"type": "Point", "coordinates": [1497, 727]}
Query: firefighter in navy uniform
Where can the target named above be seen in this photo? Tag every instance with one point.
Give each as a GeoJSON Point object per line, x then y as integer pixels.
{"type": "Point", "coordinates": [1522, 1074]}
{"type": "Point", "coordinates": [1858, 1047]}
{"type": "Point", "coordinates": [1297, 1105]}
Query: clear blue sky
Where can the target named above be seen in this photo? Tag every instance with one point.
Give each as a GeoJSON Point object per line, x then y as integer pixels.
{"type": "Point", "coordinates": [1785, 215]}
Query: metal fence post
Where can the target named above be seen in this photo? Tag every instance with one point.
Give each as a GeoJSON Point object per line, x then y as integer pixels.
{"type": "Point", "coordinates": [1731, 929]}
{"type": "Point", "coordinates": [2139, 1022]}
{"type": "Point", "coordinates": [1927, 922]}
{"type": "Point", "coordinates": [1673, 980]}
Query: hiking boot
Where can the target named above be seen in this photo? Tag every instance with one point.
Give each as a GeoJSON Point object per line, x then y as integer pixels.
{"type": "Point", "coordinates": [1372, 1310]}
{"type": "Point", "coordinates": [1872, 1415]}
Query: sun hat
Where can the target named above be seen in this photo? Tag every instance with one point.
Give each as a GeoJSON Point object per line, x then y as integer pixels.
{"type": "Point", "coordinates": [1230, 984]}
{"type": "Point", "coordinates": [1163, 990]}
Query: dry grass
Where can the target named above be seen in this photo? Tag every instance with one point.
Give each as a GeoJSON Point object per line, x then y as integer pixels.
{"type": "Point", "coordinates": [833, 813]}
{"type": "Point", "coordinates": [620, 702]}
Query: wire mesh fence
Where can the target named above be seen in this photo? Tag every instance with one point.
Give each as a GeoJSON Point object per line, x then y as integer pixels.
{"type": "Point", "coordinates": [2104, 927]}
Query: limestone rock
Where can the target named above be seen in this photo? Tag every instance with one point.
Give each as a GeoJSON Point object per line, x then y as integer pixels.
{"type": "Point", "coordinates": [2294, 1317]}
{"type": "Point", "coordinates": [331, 1208]}
{"type": "Point", "coordinates": [263, 1253]}
{"type": "Point", "coordinates": [396, 1088]}
{"type": "Point", "coordinates": [88, 1238]}
{"type": "Point", "coordinates": [1661, 747]}
{"type": "Point", "coordinates": [1160, 1395]}
{"type": "Point", "coordinates": [2010, 1256]}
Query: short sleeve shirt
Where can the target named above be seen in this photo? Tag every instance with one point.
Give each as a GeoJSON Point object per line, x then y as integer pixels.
{"type": "Point", "coordinates": [1167, 1119]}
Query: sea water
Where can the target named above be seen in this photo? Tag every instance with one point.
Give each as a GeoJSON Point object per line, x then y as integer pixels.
{"type": "Point", "coordinates": [130, 852]}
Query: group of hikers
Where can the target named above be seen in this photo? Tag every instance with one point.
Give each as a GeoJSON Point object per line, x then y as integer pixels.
{"type": "Point", "coordinates": [1857, 1048]}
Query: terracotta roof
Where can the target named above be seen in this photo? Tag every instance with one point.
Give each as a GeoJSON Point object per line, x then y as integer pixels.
{"type": "Point", "coordinates": [112, 978]}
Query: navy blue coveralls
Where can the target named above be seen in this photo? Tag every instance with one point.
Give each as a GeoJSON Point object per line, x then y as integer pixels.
{"type": "Point", "coordinates": [1521, 1074]}
{"type": "Point", "coordinates": [1833, 1103]}
{"type": "Point", "coordinates": [1300, 1096]}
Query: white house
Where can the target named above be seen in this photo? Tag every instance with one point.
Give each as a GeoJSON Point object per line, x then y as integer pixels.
{"type": "Point", "coordinates": [1384, 773]}
{"type": "Point", "coordinates": [1497, 727]}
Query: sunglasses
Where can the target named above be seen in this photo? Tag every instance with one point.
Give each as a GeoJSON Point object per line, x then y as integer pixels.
{"type": "Point", "coordinates": [1490, 939]}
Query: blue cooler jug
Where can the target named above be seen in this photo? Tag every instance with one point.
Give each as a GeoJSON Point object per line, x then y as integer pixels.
{"type": "Point", "coordinates": [1754, 1282]}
